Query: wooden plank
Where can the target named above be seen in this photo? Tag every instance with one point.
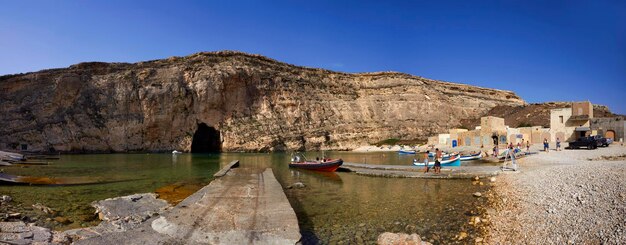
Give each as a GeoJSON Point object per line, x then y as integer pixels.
{"type": "Point", "coordinates": [224, 170]}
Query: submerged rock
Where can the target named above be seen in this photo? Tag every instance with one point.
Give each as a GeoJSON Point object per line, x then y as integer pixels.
{"type": "Point", "coordinates": [42, 208]}
{"type": "Point", "coordinates": [389, 238]}
{"type": "Point", "coordinates": [297, 185]}
{"type": "Point", "coordinates": [5, 199]}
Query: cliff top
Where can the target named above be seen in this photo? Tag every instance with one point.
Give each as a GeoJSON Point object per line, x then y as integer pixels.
{"type": "Point", "coordinates": [200, 56]}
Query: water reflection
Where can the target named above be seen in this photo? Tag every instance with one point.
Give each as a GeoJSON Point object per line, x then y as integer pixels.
{"type": "Point", "coordinates": [333, 207]}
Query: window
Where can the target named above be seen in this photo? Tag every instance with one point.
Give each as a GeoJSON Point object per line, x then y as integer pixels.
{"type": "Point", "coordinates": [580, 111]}
{"type": "Point", "coordinates": [561, 119]}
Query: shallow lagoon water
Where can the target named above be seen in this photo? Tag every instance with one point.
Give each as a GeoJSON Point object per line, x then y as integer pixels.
{"type": "Point", "coordinates": [332, 208]}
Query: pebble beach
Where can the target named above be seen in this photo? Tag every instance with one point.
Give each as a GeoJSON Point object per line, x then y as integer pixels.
{"type": "Point", "coordinates": [562, 197]}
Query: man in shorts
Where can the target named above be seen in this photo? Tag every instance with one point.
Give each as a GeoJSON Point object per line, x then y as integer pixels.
{"type": "Point", "coordinates": [558, 144]}
{"type": "Point", "coordinates": [546, 145]}
{"type": "Point", "coordinates": [438, 157]}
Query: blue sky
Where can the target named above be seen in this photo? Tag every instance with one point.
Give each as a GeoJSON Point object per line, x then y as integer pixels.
{"type": "Point", "coordinates": [542, 50]}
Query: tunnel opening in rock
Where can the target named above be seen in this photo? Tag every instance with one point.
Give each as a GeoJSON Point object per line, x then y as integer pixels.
{"type": "Point", "coordinates": [206, 140]}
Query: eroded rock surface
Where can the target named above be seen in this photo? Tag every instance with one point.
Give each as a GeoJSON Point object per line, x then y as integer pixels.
{"type": "Point", "coordinates": [252, 102]}
{"type": "Point", "coordinates": [21, 233]}
{"type": "Point", "coordinates": [127, 212]}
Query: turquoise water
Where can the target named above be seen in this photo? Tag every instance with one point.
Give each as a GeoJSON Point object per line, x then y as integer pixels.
{"type": "Point", "coordinates": [333, 208]}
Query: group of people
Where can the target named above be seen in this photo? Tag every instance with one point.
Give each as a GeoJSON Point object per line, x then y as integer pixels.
{"type": "Point", "coordinates": [438, 159]}
{"type": "Point", "coordinates": [546, 144]}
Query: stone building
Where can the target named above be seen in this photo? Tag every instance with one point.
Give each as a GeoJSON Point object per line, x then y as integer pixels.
{"type": "Point", "coordinates": [492, 130]}
{"type": "Point", "coordinates": [568, 124]}
{"type": "Point", "coordinates": [611, 127]}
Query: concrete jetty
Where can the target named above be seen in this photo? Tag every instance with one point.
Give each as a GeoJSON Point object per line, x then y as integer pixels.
{"type": "Point", "coordinates": [409, 171]}
{"type": "Point", "coordinates": [245, 206]}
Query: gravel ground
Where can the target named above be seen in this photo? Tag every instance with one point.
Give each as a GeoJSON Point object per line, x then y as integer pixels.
{"type": "Point", "coordinates": [562, 198]}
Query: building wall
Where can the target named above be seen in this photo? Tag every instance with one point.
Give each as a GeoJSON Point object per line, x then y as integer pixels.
{"type": "Point", "coordinates": [444, 139]}
{"type": "Point", "coordinates": [584, 108]}
{"type": "Point", "coordinates": [563, 126]}
{"type": "Point", "coordinates": [454, 135]}
{"type": "Point", "coordinates": [617, 125]}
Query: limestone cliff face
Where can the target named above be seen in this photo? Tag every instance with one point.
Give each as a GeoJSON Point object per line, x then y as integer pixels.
{"type": "Point", "coordinates": [255, 103]}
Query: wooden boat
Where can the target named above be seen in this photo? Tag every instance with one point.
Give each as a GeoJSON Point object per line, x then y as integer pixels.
{"type": "Point", "coordinates": [454, 161]}
{"type": "Point", "coordinates": [472, 157]}
{"type": "Point", "coordinates": [329, 165]}
{"type": "Point", "coordinates": [406, 152]}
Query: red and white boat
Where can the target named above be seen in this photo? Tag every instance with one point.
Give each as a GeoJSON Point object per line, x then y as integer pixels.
{"type": "Point", "coordinates": [325, 165]}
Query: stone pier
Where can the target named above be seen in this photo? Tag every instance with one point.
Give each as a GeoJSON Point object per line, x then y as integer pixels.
{"type": "Point", "coordinates": [410, 171]}
{"type": "Point", "coordinates": [245, 206]}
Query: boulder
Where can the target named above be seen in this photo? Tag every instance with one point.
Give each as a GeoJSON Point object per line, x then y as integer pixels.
{"type": "Point", "coordinates": [389, 238]}
{"type": "Point", "coordinates": [5, 199]}
{"type": "Point", "coordinates": [297, 185]}
{"type": "Point", "coordinates": [21, 233]}
{"type": "Point", "coordinates": [127, 212]}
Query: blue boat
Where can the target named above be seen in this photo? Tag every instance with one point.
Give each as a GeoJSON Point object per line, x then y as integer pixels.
{"type": "Point", "coordinates": [406, 152]}
{"type": "Point", "coordinates": [454, 161]}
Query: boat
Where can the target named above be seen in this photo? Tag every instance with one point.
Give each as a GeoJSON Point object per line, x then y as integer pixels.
{"type": "Point", "coordinates": [406, 152]}
{"type": "Point", "coordinates": [454, 161]}
{"type": "Point", "coordinates": [176, 152]}
{"type": "Point", "coordinates": [329, 165]}
{"type": "Point", "coordinates": [326, 165]}
{"type": "Point", "coordinates": [16, 157]}
{"type": "Point", "coordinates": [472, 157]}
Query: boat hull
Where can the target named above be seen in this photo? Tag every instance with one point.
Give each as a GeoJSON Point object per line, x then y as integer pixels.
{"type": "Point", "coordinates": [453, 162]}
{"type": "Point", "coordinates": [472, 157]}
{"type": "Point", "coordinates": [406, 152]}
{"type": "Point", "coordinates": [328, 166]}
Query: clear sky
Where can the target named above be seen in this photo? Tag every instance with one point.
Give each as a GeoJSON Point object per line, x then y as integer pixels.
{"type": "Point", "coordinates": [542, 50]}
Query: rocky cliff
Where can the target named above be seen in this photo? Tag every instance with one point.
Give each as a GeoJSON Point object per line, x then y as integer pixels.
{"type": "Point", "coordinates": [227, 101]}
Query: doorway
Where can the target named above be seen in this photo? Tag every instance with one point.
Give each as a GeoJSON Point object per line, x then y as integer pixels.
{"type": "Point", "coordinates": [610, 134]}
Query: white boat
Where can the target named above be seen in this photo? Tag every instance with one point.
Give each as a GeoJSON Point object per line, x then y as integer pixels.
{"type": "Point", "coordinates": [471, 157]}
{"type": "Point", "coordinates": [454, 161]}
{"type": "Point", "coordinates": [176, 152]}
{"type": "Point", "coordinates": [406, 152]}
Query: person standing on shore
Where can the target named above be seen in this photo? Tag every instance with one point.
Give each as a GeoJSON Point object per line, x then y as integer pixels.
{"type": "Point", "coordinates": [426, 160]}
{"type": "Point", "coordinates": [558, 144]}
{"type": "Point", "coordinates": [438, 157]}
{"type": "Point", "coordinates": [546, 145]}
{"type": "Point", "coordinates": [528, 146]}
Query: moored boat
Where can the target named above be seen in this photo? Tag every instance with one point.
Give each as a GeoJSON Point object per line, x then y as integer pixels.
{"type": "Point", "coordinates": [472, 157]}
{"type": "Point", "coordinates": [406, 152]}
{"type": "Point", "coordinates": [454, 161]}
{"type": "Point", "coordinates": [329, 165]}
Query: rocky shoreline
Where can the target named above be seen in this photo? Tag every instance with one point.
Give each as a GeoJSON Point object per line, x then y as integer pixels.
{"type": "Point", "coordinates": [564, 197]}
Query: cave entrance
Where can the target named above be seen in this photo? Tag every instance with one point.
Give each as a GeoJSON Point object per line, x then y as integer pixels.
{"type": "Point", "coordinates": [206, 140]}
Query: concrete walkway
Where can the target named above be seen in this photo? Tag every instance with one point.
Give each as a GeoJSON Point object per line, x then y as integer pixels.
{"type": "Point", "coordinates": [406, 171]}
{"type": "Point", "coordinates": [246, 206]}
